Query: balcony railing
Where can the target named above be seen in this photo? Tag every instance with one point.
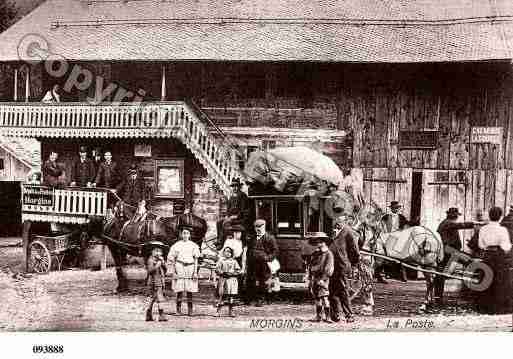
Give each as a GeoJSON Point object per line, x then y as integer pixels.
{"type": "Point", "coordinates": [124, 120]}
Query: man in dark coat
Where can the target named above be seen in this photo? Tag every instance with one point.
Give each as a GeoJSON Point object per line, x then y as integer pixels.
{"type": "Point", "coordinates": [96, 159]}
{"type": "Point", "coordinates": [262, 249]}
{"type": "Point", "coordinates": [346, 254]}
{"type": "Point", "coordinates": [507, 222]}
{"type": "Point", "coordinates": [449, 232]}
{"type": "Point", "coordinates": [237, 210]}
{"type": "Point", "coordinates": [82, 171]}
{"type": "Point", "coordinates": [53, 172]}
{"type": "Point", "coordinates": [133, 189]}
{"type": "Point", "coordinates": [108, 172]}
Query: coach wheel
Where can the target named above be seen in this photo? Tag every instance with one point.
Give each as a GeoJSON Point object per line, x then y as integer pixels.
{"type": "Point", "coordinates": [40, 260]}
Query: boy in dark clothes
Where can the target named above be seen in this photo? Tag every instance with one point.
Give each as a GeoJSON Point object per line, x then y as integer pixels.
{"type": "Point", "coordinates": [156, 267]}
{"type": "Point", "coordinates": [319, 273]}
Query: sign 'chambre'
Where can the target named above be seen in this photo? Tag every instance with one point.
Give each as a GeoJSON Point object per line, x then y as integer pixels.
{"type": "Point", "coordinates": [486, 135]}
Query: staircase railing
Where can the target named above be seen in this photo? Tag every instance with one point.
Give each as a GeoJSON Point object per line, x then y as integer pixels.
{"type": "Point", "coordinates": [127, 120]}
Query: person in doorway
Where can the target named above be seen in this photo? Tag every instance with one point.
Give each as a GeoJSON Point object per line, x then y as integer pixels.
{"type": "Point", "coordinates": [82, 172]}
{"type": "Point", "coordinates": [320, 269]}
{"type": "Point", "coordinates": [507, 222]}
{"type": "Point", "coordinates": [345, 256]}
{"type": "Point", "coordinates": [53, 172]}
{"type": "Point", "coordinates": [52, 95]}
{"type": "Point", "coordinates": [108, 172]}
{"type": "Point", "coordinates": [393, 221]}
{"type": "Point", "coordinates": [156, 269]}
{"type": "Point", "coordinates": [183, 263]}
{"type": "Point", "coordinates": [449, 232]}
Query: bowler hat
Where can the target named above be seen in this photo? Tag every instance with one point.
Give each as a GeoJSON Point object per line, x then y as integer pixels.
{"type": "Point", "coordinates": [82, 149]}
{"type": "Point", "coordinates": [453, 211]}
{"type": "Point", "coordinates": [316, 237]}
{"type": "Point", "coordinates": [395, 204]}
{"type": "Point", "coordinates": [236, 182]}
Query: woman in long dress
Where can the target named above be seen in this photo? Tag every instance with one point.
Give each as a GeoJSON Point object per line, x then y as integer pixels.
{"type": "Point", "coordinates": [183, 263]}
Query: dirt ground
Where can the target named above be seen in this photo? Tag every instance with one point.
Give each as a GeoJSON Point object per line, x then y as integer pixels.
{"type": "Point", "coordinates": [83, 300]}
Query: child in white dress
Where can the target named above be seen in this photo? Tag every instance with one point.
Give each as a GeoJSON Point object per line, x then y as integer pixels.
{"type": "Point", "coordinates": [228, 269]}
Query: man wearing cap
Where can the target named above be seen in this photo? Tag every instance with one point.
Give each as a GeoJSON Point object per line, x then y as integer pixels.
{"type": "Point", "coordinates": [237, 210]}
{"type": "Point", "coordinates": [346, 255]}
{"type": "Point", "coordinates": [393, 221]}
{"type": "Point", "coordinates": [82, 171]}
{"type": "Point", "coordinates": [132, 190]}
{"type": "Point", "coordinates": [262, 249]}
{"type": "Point", "coordinates": [449, 232]}
{"type": "Point", "coordinates": [108, 172]}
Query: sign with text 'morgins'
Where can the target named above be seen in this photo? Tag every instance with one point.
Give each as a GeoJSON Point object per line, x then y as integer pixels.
{"type": "Point", "coordinates": [38, 196]}
{"type": "Point", "coordinates": [486, 135]}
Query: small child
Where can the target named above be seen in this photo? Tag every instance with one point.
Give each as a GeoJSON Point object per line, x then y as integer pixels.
{"type": "Point", "coordinates": [320, 270]}
{"type": "Point", "coordinates": [156, 268]}
{"type": "Point", "coordinates": [227, 269]}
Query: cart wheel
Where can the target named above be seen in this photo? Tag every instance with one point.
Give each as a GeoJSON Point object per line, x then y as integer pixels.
{"type": "Point", "coordinates": [40, 260]}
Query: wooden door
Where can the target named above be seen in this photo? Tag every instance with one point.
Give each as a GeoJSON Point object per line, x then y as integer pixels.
{"type": "Point", "coordinates": [383, 185]}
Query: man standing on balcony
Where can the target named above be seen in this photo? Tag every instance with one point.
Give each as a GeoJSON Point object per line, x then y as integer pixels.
{"type": "Point", "coordinates": [132, 190]}
{"type": "Point", "coordinates": [108, 172]}
{"type": "Point", "coordinates": [53, 172]}
{"type": "Point", "coordinates": [82, 172]}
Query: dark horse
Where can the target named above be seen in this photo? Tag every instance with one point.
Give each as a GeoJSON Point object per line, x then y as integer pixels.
{"type": "Point", "coordinates": [128, 231]}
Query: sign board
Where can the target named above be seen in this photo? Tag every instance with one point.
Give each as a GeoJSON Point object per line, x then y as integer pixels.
{"type": "Point", "coordinates": [38, 196]}
{"type": "Point", "coordinates": [486, 135]}
{"type": "Point", "coordinates": [418, 140]}
{"type": "Point", "coordinates": [142, 150]}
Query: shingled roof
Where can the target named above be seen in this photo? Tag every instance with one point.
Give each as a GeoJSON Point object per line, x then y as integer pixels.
{"type": "Point", "coordinates": [27, 151]}
{"type": "Point", "coordinates": [270, 30]}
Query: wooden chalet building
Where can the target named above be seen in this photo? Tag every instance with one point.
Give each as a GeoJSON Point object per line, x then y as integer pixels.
{"type": "Point", "coordinates": [418, 95]}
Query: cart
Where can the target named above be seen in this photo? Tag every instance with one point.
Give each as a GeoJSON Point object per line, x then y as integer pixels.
{"type": "Point", "coordinates": [44, 251]}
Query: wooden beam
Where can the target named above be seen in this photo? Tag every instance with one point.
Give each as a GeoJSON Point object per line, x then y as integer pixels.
{"type": "Point", "coordinates": [15, 84]}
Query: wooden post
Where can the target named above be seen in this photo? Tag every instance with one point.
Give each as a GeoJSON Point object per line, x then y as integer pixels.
{"type": "Point", "coordinates": [16, 84]}
{"type": "Point", "coordinates": [163, 86]}
{"type": "Point", "coordinates": [27, 85]}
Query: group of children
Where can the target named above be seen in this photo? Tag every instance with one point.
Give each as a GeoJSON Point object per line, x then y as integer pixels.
{"type": "Point", "coordinates": [183, 269]}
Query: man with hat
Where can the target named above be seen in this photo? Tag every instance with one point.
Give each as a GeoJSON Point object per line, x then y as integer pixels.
{"type": "Point", "coordinates": [262, 249]}
{"type": "Point", "coordinates": [133, 189]}
{"type": "Point", "coordinates": [345, 255]}
{"type": "Point", "coordinates": [237, 210]}
{"type": "Point", "coordinates": [393, 221]}
{"type": "Point", "coordinates": [449, 232]}
{"type": "Point", "coordinates": [82, 171]}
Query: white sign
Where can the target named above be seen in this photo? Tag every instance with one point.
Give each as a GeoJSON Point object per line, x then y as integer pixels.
{"type": "Point", "coordinates": [486, 135]}
{"type": "Point", "coordinates": [142, 151]}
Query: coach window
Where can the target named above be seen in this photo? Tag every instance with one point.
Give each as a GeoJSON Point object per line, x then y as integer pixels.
{"type": "Point", "coordinates": [288, 218]}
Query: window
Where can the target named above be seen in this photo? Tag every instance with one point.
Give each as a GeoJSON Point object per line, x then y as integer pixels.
{"type": "Point", "coordinates": [288, 217]}
{"type": "Point", "coordinates": [1, 164]}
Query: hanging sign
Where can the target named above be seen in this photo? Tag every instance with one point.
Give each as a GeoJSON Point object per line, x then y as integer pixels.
{"type": "Point", "coordinates": [486, 135]}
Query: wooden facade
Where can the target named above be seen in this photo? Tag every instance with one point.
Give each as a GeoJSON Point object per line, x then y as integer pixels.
{"type": "Point", "coordinates": [364, 116]}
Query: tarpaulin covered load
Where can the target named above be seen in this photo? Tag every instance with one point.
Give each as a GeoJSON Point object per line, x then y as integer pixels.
{"type": "Point", "coordinates": [292, 169]}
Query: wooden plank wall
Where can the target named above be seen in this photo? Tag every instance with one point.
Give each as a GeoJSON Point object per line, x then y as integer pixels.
{"type": "Point", "coordinates": [383, 185]}
{"type": "Point", "coordinates": [449, 99]}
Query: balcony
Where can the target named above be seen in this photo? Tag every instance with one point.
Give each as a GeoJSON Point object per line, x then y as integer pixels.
{"type": "Point", "coordinates": [126, 120]}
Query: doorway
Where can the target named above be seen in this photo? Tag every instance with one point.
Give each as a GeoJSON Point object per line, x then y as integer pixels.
{"type": "Point", "coordinates": [10, 209]}
{"type": "Point", "coordinates": [416, 197]}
